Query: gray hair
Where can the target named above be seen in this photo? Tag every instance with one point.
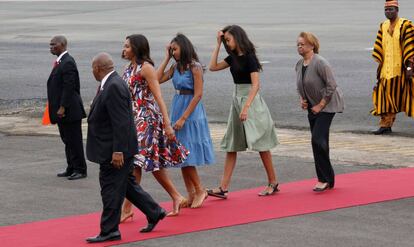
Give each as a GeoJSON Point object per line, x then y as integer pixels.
{"type": "Point", "coordinates": [61, 39]}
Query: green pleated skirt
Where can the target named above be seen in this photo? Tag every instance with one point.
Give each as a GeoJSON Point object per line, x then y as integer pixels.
{"type": "Point", "coordinates": [257, 133]}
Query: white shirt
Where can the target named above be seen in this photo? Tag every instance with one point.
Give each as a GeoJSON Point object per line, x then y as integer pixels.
{"type": "Point", "coordinates": [60, 56]}
{"type": "Point", "coordinates": [106, 78]}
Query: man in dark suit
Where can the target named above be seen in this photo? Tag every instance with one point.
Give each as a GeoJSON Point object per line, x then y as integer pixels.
{"type": "Point", "coordinates": [66, 107]}
{"type": "Point", "coordinates": [112, 142]}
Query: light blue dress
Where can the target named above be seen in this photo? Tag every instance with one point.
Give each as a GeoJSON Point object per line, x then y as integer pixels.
{"type": "Point", "coordinates": [195, 134]}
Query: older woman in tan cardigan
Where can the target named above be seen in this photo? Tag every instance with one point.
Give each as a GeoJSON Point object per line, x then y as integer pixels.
{"type": "Point", "coordinates": [321, 97]}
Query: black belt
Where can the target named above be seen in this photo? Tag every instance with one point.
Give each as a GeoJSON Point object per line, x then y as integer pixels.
{"type": "Point", "coordinates": [185, 92]}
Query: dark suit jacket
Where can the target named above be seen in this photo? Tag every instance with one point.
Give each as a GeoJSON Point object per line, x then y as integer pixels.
{"type": "Point", "coordinates": [63, 89]}
{"type": "Point", "coordinates": [111, 125]}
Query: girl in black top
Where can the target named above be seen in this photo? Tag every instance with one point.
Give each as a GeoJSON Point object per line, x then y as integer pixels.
{"type": "Point", "coordinates": [250, 125]}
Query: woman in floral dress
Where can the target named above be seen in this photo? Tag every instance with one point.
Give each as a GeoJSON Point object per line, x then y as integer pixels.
{"type": "Point", "coordinates": [157, 146]}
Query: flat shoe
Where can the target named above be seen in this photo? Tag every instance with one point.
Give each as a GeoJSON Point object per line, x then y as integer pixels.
{"type": "Point", "coordinates": [103, 238]}
{"type": "Point", "coordinates": [64, 174]}
{"type": "Point", "coordinates": [382, 130]}
{"type": "Point", "coordinates": [151, 224]}
{"type": "Point", "coordinates": [274, 188]}
{"type": "Point", "coordinates": [76, 176]}
{"type": "Point", "coordinates": [221, 194]}
{"type": "Point", "coordinates": [326, 187]}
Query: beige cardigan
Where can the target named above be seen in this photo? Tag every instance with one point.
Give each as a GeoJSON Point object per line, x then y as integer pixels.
{"type": "Point", "coordinates": [319, 83]}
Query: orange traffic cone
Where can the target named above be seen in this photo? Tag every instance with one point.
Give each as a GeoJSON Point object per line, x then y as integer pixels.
{"type": "Point", "coordinates": [46, 119]}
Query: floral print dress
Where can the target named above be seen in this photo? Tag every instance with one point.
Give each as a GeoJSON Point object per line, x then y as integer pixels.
{"type": "Point", "coordinates": [155, 150]}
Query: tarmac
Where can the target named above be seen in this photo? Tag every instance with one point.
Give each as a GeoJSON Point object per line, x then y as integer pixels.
{"type": "Point", "coordinates": [346, 30]}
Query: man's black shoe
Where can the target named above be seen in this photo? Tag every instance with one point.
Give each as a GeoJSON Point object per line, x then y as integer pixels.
{"type": "Point", "coordinates": [382, 130]}
{"type": "Point", "coordinates": [116, 235]}
{"type": "Point", "coordinates": [76, 175]}
{"type": "Point", "coordinates": [151, 224]}
{"type": "Point", "coordinates": [64, 174]}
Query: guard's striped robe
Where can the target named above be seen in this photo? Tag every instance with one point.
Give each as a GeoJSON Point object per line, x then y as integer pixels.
{"type": "Point", "coordinates": [396, 94]}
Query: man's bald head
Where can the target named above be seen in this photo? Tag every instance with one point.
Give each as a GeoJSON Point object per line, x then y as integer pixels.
{"type": "Point", "coordinates": [104, 61]}
{"type": "Point", "coordinates": [102, 64]}
{"type": "Point", "coordinates": [58, 44]}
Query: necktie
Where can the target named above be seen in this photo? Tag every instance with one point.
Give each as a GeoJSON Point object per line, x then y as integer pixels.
{"type": "Point", "coordinates": [55, 64]}
{"type": "Point", "coordinates": [98, 90]}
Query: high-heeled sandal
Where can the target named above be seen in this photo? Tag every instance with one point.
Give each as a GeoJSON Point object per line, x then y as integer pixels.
{"type": "Point", "coordinates": [184, 203]}
{"type": "Point", "coordinates": [221, 194]}
{"type": "Point", "coordinates": [126, 217]}
{"type": "Point", "coordinates": [200, 203]}
{"type": "Point", "coordinates": [274, 188]}
{"type": "Point", "coordinates": [181, 204]}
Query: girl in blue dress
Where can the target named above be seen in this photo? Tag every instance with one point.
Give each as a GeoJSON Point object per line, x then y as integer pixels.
{"type": "Point", "coordinates": [187, 113]}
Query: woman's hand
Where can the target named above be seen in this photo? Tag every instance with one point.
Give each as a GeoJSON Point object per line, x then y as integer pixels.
{"type": "Point", "coordinates": [179, 124]}
{"type": "Point", "coordinates": [317, 108]}
{"type": "Point", "coordinates": [169, 132]}
{"type": "Point", "coordinates": [168, 53]}
{"type": "Point", "coordinates": [304, 104]}
{"type": "Point", "coordinates": [220, 34]}
{"type": "Point", "coordinates": [243, 114]}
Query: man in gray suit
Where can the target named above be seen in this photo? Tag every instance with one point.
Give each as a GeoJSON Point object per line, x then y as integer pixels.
{"type": "Point", "coordinates": [112, 143]}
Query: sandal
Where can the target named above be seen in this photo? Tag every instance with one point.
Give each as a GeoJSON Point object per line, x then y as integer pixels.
{"type": "Point", "coordinates": [327, 186]}
{"type": "Point", "coordinates": [221, 194]}
{"type": "Point", "coordinates": [175, 212]}
{"type": "Point", "coordinates": [127, 216]}
{"type": "Point", "coordinates": [267, 193]}
{"type": "Point", "coordinates": [185, 203]}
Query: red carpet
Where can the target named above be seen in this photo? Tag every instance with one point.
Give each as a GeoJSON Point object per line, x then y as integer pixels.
{"type": "Point", "coordinates": [242, 207]}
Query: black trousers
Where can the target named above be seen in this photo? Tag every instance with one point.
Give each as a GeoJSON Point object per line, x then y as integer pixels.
{"type": "Point", "coordinates": [319, 126]}
{"type": "Point", "coordinates": [71, 134]}
{"type": "Point", "coordinates": [116, 184]}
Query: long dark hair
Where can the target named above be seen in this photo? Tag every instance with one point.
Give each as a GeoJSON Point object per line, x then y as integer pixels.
{"type": "Point", "coordinates": [140, 47]}
{"type": "Point", "coordinates": [242, 41]}
{"type": "Point", "coordinates": [187, 52]}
